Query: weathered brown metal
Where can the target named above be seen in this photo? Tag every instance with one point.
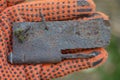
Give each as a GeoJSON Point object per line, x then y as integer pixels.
{"type": "Point", "coordinates": [33, 43]}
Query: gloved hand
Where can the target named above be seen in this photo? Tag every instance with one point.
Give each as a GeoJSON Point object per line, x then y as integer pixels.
{"type": "Point", "coordinates": [29, 12]}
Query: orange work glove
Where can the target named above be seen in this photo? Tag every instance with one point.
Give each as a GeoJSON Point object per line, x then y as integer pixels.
{"type": "Point", "coordinates": [30, 12]}
{"type": "Point", "coordinates": [6, 3]}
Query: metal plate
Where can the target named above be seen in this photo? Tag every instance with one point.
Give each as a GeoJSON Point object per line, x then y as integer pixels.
{"type": "Point", "coordinates": [59, 35]}
{"type": "Point", "coordinates": [42, 42]}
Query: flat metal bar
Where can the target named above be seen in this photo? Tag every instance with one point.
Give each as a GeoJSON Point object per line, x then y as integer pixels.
{"type": "Point", "coordinates": [63, 34]}
{"type": "Point", "coordinates": [33, 43]}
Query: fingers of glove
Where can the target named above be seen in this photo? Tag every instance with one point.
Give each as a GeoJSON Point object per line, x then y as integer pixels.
{"type": "Point", "coordinates": [54, 9]}
{"type": "Point", "coordinates": [6, 3]}
{"type": "Point", "coordinates": [3, 5]}
{"type": "Point", "coordinates": [14, 2]}
{"type": "Point", "coordinates": [69, 66]}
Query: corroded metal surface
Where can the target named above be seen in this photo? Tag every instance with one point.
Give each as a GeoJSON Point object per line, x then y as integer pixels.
{"type": "Point", "coordinates": [63, 34]}
{"type": "Point", "coordinates": [34, 43]}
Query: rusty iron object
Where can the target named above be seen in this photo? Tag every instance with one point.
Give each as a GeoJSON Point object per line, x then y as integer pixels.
{"type": "Point", "coordinates": [34, 43]}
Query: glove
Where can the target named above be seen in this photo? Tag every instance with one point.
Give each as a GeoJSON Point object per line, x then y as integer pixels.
{"type": "Point", "coordinates": [6, 3]}
{"type": "Point", "coordinates": [29, 12]}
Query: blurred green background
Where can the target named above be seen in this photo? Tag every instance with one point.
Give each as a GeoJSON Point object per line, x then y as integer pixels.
{"type": "Point", "coordinates": [111, 69]}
